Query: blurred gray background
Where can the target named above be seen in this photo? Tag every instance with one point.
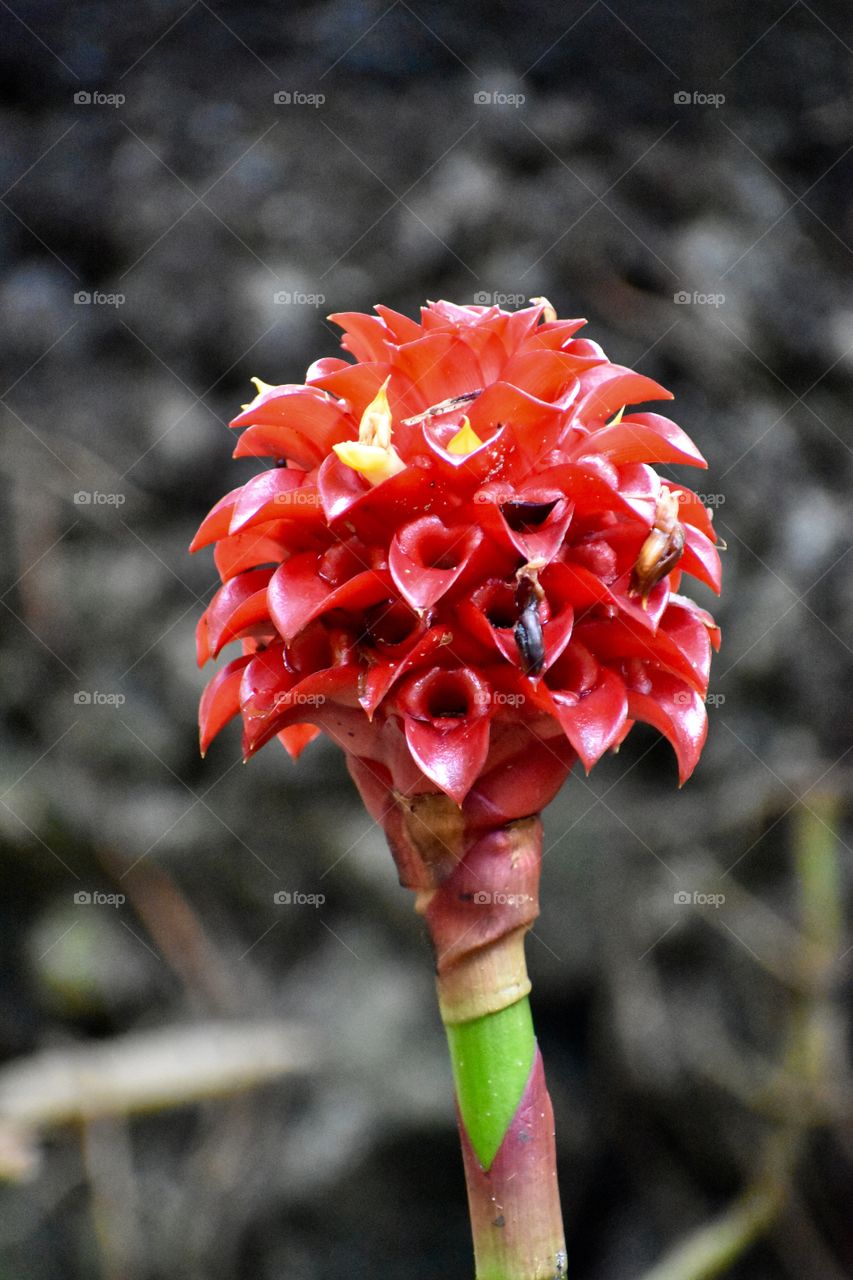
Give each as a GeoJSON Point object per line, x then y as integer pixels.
{"type": "Point", "coordinates": [187, 192]}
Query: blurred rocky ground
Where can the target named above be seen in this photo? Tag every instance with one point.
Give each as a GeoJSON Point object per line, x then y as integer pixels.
{"type": "Point", "coordinates": [170, 227]}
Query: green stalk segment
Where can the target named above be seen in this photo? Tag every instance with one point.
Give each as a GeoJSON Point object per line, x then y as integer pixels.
{"type": "Point", "coordinates": [492, 1057]}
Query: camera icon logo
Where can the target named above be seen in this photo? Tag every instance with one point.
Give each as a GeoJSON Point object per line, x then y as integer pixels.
{"type": "Point", "coordinates": [682, 297]}
{"type": "Point", "coordinates": [282, 898]}
{"type": "Point", "coordinates": [483, 298]}
{"type": "Point", "coordinates": [282, 298]}
{"type": "Point", "coordinates": [282, 98]}
{"type": "Point", "coordinates": [482, 97]}
{"type": "Point", "coordinates": [482, 898]}
{"type": "Point", "coordinates": [82, 698]}
{"type": "Point", "coordinates": [682, 898]}
{"type": "Point", "coordinates": [681, 99]}
{"type": "Point", "coordinates": [83, 98]}
{"type": "Point", "coordinates": [82, 498]}
{"type": "Point", "coordinates": [82, 898]}
{"type": "Point", "coordinates": [83, 298]}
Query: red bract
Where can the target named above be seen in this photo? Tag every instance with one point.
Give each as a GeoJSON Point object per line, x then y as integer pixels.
{"type": "Point", "coordinates": [463, 566]}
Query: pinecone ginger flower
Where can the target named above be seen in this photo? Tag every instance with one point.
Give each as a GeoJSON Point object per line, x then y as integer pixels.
{"type": "Point", "coordinates": [463, 549]}
{"type": "Point", "coordinates": [465, 569]}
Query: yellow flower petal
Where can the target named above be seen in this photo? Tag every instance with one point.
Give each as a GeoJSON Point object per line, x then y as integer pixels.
{"type": "Point", "coordinates": [261, 387]}
{"type": "Point", "coordinates": [375, 425]}
{"type": "Point", "coordinates": [466, 439]}
{"type": "Point", "coordinates": [549, 315]}
{"type": "Point", "coordinates": [373, 461]}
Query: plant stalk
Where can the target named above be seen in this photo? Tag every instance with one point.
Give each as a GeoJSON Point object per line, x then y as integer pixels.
{"type": "Point", "coordinates": [478, 890]}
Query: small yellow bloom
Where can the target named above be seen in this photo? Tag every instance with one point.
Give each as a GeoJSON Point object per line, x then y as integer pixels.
{"type": "Point", "coordinates": [549, 315]}
{"type": "Point", "coordinates": [373, 454]}
{"type": "Point", "coordinates": [466, 439]}
{"type": "Point", "coordinates": [261, 387]}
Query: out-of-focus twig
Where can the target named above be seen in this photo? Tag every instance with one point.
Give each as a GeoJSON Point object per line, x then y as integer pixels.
{"type": "Point", "coordinates": [809, 1059]}
{"type": "Point", "coordinates": [108, 1160]}
{"type": "Point", "coordinates": [176, 930]}
{"type": "Point", "coordinates": [147, 1071]}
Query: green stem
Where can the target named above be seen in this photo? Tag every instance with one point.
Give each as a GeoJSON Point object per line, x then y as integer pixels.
{"type": "Point", "coordinates": [491, 1059]}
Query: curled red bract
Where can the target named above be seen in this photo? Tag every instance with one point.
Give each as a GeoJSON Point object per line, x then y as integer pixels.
{"type": "Point", "coordinates": [441, 569]}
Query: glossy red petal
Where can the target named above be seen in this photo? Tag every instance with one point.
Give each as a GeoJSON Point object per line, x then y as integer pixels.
{"type": "Point", "coordinates": [220, 701]}
{"type": "Point", "coordinates": [243, 597]}
{"type": "Point", "coordinates": [691, 510]}
{"type": "Point", "coordinates": [216, 523]}
{"type": "Point", "coordinates": [700, 558]}
{"type": "Point", "coordinates": [545, 374]}
{"type": "Point", "coordinates": [355, 383]}
{"type": "Point", "coordinates": [276, 495]}
{"type": "Point", "coordinates": [593, 721]}
{"type": "Point", "coordinates": [452, 759]}
{"type": "Point", "coordinates": [401, 328]}
{"type": "Point", "coordinates": [349, 500]}
{"type": "Point", "coordinates": [607, 388]}
{"type": "Point", "coordinates": [321, 419]}
{"type": "Point", "coordinates": [298, 594]}
{"type": "Point", "coordinates": [588, 486]}
{"type": "Point", "coordinates": [639, 486]}
{"type": "Point", "coordinates": [687, 630]}
{"type": "Point", "coordinates": [252, 548]}
{"type": "Point", "coordinates": [426, 558]}
{"type": "Point", "coordinates": [534, 425]}
{"type": "Point", "coordinates": [279, 442]}
{"type": "Point", "coordinates": [631, 441]}
{"type": "Point", "coordinates": [533, 523]}
{"type": "Point", "coordinates": [364, 336]}
{"type": "Point", "coordinates": [678, 712]}
{"type": "Point", "coordinates": [622, 639]}
{"type": "Point", "coordinates": [525, 781]}
{"type": "Point", "coordinates": [384, 673]}
{"type": "Point", "coordinates": [438, 367]}
{"type": "Point", "coordinates": [669, 431]}
{"type": "Point", "coordinates": [297, 737]}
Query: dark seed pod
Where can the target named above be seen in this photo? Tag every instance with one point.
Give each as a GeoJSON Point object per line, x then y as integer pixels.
{"type": "Point", "coordinates": [662, 549]}
{"type": "Point", "coordinates": [528, 629]}
{"type": "Point", "coordinates": [659, 555]}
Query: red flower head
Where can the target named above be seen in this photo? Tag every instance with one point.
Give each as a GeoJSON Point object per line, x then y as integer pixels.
{"type": "Point", "coordinates": [462, 566]}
